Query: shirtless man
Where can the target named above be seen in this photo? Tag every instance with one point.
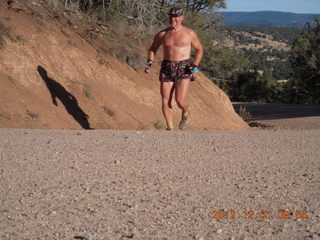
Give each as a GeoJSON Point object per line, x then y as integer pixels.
{"type": "Point", "coordinates": [177, 69]}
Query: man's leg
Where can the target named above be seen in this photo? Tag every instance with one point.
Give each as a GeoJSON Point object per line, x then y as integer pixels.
{"type": "Point", "coordinates": [166, 90]}
{"type": "Point", "coordinates": [181, 88]}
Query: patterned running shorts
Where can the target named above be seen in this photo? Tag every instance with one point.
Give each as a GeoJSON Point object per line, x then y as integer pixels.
{"type": "Point", "coordinates": [175, 70]}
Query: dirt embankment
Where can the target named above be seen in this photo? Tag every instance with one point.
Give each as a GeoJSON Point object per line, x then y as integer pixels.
{"type": "Point", "coordinates": [57, 71]}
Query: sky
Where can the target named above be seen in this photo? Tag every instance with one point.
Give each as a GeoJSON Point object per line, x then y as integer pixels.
{"type": "Point", "coordinates": [295, 6]}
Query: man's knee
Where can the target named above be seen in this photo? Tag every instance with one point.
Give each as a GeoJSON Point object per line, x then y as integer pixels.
{"type": "Point", "coordinates": [166, 103]}
{"type": "Point", "coordinates": [180, 102]}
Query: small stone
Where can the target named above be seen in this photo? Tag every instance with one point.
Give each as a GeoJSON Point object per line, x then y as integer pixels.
{"type": "Point", "coordinates": [219, 231]}
{"type": "Point", "coordinates": [248, 238]}
{"type": "Point", "coordinates": [315, 228]}
{"type": "Point", "coordinates": [88, 236]}
{"type": "Point", "coordinates": [199, 237]}
{"type": "Point", "coordinates": [315, 237]}
{"type": "Point", "coordinates": [130, 235]}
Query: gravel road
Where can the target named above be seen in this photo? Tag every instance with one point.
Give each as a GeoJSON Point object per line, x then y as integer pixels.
{"type": "Point", "coordinates": [72, 184]}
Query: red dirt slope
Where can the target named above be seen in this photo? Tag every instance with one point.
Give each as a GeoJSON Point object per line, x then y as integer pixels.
{"type": "Point", "coordinates": [52, 77]}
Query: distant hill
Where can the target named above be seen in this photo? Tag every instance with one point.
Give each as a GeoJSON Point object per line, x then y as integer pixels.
{"type": "Point", "coordinates": [267, 19]}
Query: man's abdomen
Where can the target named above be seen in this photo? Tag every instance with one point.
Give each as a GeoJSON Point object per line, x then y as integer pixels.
{"type": "Point", "coordinates": [175, 53]}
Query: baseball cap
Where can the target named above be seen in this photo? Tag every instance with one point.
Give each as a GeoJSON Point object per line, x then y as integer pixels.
{"type": "Point", "coordinates": [175, 12]}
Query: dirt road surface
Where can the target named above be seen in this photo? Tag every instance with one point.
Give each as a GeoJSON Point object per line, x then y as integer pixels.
{"type": "Point", "coordinates": [72, 184]}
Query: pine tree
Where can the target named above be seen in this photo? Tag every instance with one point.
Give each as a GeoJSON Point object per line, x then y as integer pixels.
{"type": "Point", "coordinates": [306, 64]}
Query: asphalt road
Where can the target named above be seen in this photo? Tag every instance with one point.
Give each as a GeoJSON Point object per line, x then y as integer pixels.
{"type": "Point", "coordinates": [278, 111]}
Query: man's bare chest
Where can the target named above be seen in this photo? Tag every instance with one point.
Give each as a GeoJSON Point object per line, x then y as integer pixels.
{"type": "Point", "coordinates": [180, 39]}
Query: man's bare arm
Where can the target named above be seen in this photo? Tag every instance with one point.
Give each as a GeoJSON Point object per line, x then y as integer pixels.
{"type": "Point", "coordinates": [157, 41]}
{"type": "Point", "coordinates": [196, 44]}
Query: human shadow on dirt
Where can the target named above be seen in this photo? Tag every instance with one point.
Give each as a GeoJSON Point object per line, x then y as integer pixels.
{"type": "Point", "coordinates": [67, 99]}
{"type": "Point", "coordinates": [271, 111]}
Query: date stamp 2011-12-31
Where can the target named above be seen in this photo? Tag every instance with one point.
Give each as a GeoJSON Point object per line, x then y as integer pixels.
{"type": "Point", "coordinates": [258, 214]}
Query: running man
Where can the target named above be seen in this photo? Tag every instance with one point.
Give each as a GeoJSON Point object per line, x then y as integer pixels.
{"type": "Point", "coordinates": [177, 69]}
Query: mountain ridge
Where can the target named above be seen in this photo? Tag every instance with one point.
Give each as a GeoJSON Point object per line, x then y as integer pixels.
{"type": "Point", "coordinates": [267, 19]}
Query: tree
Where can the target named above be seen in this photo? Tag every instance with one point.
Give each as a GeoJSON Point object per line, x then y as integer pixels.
{"type": "Point", "coordinates": [305, 61]}
{"type": "Point", "coordinates": [147, 16]}
{"type": "Point", "coordinates": [196, 6]}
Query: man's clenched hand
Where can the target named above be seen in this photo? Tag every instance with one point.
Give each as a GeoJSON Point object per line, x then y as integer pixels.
{"type": "Point", "coordinates": [148, 66]}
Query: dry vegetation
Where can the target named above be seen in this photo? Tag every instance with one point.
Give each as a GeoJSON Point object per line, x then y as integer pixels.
{"type": "Point", "coordinates": [5, 32]}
